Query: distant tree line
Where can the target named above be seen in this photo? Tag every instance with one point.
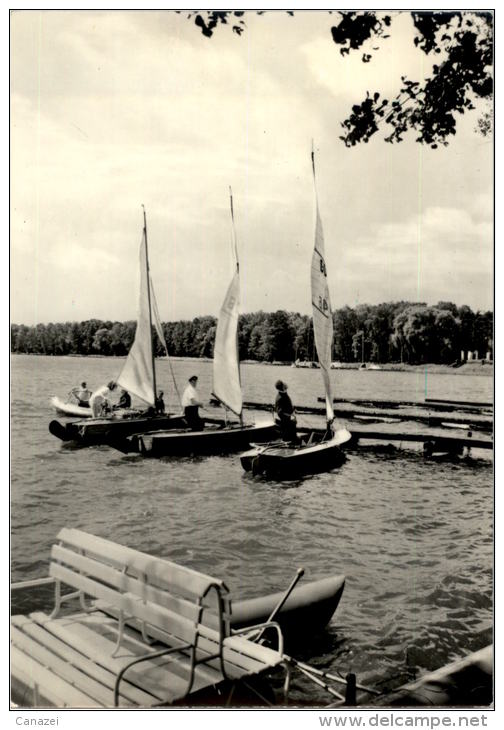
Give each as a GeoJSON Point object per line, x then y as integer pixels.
{"type": "Point", "coordinates": [392, 332]}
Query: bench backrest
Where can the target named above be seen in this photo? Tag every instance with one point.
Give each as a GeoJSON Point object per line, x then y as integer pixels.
{"type": "Point", "coordinates": [157, 591]}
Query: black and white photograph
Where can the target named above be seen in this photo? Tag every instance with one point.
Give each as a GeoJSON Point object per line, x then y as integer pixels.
{"type": "Point", "coordinates": [252, 361]}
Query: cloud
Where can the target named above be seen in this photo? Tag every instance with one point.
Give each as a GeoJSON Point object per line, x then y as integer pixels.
{"type": "Point", "coordinates": [114, 110]}
{"type": "Point", "coordinates": [391, 58]}
{"type": "Point", "coordinates": [444, 253]}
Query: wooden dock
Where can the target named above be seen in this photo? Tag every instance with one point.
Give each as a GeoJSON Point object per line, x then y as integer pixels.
{"type": "Point", "coordinates": [433, 441]}
{"type": "Point", "coordinates": [439, 442]}
{"type": "Point", "coordinates": [147, 633]}
{"type": "Point", "coordinates": [474, 422]}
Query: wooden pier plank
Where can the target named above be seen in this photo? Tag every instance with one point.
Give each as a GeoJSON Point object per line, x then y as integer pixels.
{"type": "Point", "coordinates": [476, 421]}
{"type": "Point", "coordinates": [45, 684]}
{"type": "Point", "coordinates": [422, 437]}
{"type": "Point", "coordinates": [63, 669]}
{"type": "Point", "coordinates": [416, 436]}
{"type": "Point", "coordinates": [94, 637]}
{"type": "Point", "coordinates": [129, 692]}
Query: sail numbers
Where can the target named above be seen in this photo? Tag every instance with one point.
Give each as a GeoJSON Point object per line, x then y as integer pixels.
{"type": "Point", "coordinates": [322, 304]}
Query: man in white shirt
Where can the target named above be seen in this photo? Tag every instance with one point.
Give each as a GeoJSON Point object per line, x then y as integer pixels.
{"type": "Point", "coordinates": [82, 394]}
{"type": "Point", "coordinates": [99, 401]}
{"type": "Point", "coordinates": [191, 403]}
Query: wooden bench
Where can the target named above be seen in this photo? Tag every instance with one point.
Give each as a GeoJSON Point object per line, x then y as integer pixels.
{"type": "Point", "coordinates": [154, 633]}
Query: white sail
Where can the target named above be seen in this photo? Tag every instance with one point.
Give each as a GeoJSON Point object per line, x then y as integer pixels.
{"type": "Point", "coordinates": [321, 306]}
{"type": "Point", "coordinates": [226, 372]}
{"type": "Point", "coordinates": [137, 375]}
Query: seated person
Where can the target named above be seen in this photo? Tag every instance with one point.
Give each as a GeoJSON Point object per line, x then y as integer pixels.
{"type": "Point", "coordinates": [124, 400]}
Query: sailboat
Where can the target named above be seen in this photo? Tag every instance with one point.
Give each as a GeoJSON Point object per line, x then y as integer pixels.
{"type": "Point", "coordinates": [318, 452]}
{"type": "Point", "coordinates": [137, 376]}
{"type": "Point", "coordinates": [218, 435]}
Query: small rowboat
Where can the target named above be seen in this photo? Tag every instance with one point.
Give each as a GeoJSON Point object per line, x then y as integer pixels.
{"type": "Point", "coordinates": [70, 409]}
{"type": "Point", "coordinates": [318, 452]}
{"type": "Point", "coordinates": [215, 438]}
{"type": "Point", "coordinates": [118, 426]}
{"type": "Point", "coordinates": [283, 459]}
{"type": "Point", "coordinates": [308, 609]}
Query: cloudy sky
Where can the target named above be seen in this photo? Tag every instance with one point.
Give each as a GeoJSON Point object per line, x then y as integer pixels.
{"type": "Point", "coordinates": [112, 110]}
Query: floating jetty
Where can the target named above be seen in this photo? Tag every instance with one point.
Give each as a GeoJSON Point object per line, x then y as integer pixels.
{"type": "Point", "coordinates": [398, 413]}
{"type": "Point", "coordinates": [467, 682]}
{"type": "Point", "coordinates": [433, 442]}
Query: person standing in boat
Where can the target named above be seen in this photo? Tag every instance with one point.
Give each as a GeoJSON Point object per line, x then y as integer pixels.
{"type": "Point", "coordinates": [82, 394]}
{"type": "Point", "coordinates": [160, 406]}
{"type": "Point", "coordinates": [100, 400]}
{"type": "Point", "coordinates": [191, 404]}
{"type": "Point", "coordinates": [285, 416]}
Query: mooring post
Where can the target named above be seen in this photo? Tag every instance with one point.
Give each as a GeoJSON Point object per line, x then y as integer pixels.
{"type": "Point", "coordinates": [351, 690]}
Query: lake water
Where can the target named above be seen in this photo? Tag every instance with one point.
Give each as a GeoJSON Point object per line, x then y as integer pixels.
{"type": "Point", "coordinates": [413, 537]}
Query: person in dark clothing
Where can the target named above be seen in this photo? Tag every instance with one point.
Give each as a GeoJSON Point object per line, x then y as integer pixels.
{"type": "Point", "coordinates": [285, 416]}
{"type": "Point", "coordinates": [124, 400]}
{"type": "Point", "coordinates": [160, 406]}
{"type": "Point", "coordinates": [191, 404]}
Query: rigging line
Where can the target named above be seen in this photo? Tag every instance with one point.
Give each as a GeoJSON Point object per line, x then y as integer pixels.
{"type": "Point", "coordinates": [235, 251]}
{"type": "Point", "coordinates": [163, 343]}
{"type": "Point", "coordinates": [234, 245]}
{"type": "Point", "coordinates": [149, 300]}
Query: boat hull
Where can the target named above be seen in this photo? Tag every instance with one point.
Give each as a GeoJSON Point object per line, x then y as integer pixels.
{"type": "Point", "coordinates": [102, 430]}
{"type": "Point", "coordinates": [213, 440]}
{"type": "Point", "coordinates": [70, 409]}
{"type": "Point", "coordinates": [287, 460]}
{"type": "Point", "coordinates": [309, 608]}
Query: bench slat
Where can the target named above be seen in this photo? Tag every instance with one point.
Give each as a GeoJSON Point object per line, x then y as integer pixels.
{"type": "Point", "coordinates": [131, 694]}
{"type": "Point", "coordinates": [124, 583]}
{"type": "Point", "coordinates": [57, 691]}
{"type": "Point", "coordinates": [252, 650]}
{"type": "Point", "coordinates": [95, 636]}
{"type": "Point", "coordinates": [186, 580]}
{"type": "Point", "coordinates": [96, 691]}
{"type": "Point", "coordinates": [206, 647]}
{"type": "Point", "coordinates": [178, 626]}
{"type": "Point", "coordinates": [236, 663]}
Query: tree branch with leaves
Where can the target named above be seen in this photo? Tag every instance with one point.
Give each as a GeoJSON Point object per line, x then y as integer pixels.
{"type": "Point", "coordinates": [429, 107]}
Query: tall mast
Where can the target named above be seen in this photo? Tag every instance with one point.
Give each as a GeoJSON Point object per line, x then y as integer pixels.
{"type": "Point", "coordinates": [235, 252]}
{"type": "Point", "coordinates": [150, 310]}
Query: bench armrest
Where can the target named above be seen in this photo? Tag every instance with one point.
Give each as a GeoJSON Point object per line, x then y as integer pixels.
{"type": "Point", "coordinates": [253, 633]}
{"type": "Point", "coordinates": [150, 655]}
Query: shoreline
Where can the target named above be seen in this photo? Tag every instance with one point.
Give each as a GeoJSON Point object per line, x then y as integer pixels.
{"type": "Point", "coordinates": [478, 367]}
